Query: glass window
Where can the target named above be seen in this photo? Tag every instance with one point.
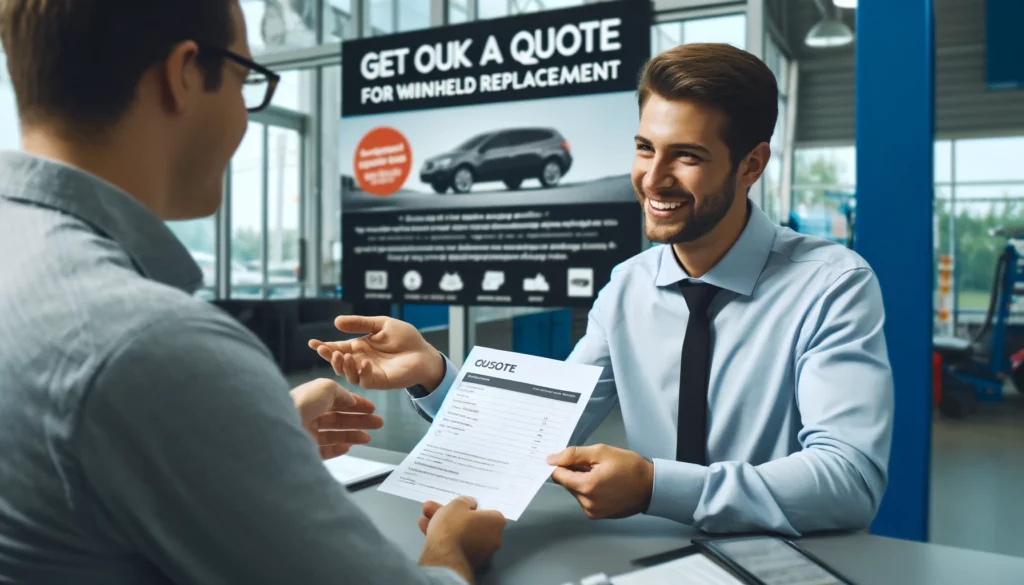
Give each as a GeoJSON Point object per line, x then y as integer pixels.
{"type": "Point", "coordinates": [279, 25]}
{"type": "Point", "coordinates": [666, 35]}
{"type": "Point", "coordinates": [976, 251]}
{"type": "Point", "coordinates": [337, 21]}
{"type": "Point", "coordinates": [284, 192]}
{"type": "Point", "coordinates": [500, 8]}
{"type": "Point", "coordinates": [498, 141]}
{"type": "Point", "coordinates": [247, 188]}
{"type": "Point", "coordinates": [834, 166]}
{"type": "Point", "coordinates": [989, 192]}
{"type": "Point", "coordinates": [392, 16]}
{"type": "Point", "coordinates": [413, 15]}
{"type": "Point", "coordinates": [772, 177]}
{"type": "Point", "coordinates": [294, 91]}
{"type": "Point", "coordinates": [943, 157]}
{"type": "Point", "coordinates": [199, 236]}
{"type": "Point", "coordinates": [777, 62]}
{"type": "Point", "coordinates": [990, 159]}
{"type": "Point", "coordinates": [823, 191]}
{"type": "Point", "coordinates": [382, 17]}
{"type": "Point", "coordinates": [943, 245]}
{"type": "Point", "coordinates": [330, 201]}
{"type": "Point", "coordinates": [731, 29]}
{"type": "Point", "coordinates": [458, 11]}
{"type": "Point", "coordinates": [473, 142]}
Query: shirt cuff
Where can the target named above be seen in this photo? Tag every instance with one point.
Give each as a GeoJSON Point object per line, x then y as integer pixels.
{"type": "Point", "coordinates": [431, 403]}
{"type": "Point", "coordinates": [677, 490]}
{"type": "Point", "coordinates": [444, 575]}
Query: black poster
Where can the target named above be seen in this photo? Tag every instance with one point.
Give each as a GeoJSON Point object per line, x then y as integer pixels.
{"type": "Point", "coordinates": [577, 51]}
{"type": "Point", "coordinates": [488, 163]}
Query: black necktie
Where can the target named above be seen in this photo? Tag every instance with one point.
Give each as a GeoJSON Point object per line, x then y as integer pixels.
{"type": "Point", "coordinates": [691, 437]}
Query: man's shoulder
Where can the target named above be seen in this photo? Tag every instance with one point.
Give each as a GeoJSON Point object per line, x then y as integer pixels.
{"type": "Point", "coordinates": [827, 259]}
{"type": "Point", "coordinates": [156, 311]}
{"type": "Point", "coordinates": [635, 275]}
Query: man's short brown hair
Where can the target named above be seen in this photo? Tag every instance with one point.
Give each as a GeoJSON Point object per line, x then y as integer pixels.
{"type": "Point", "coordinates": [723, 77]}
{"type": "Point", "coordinates": [79, 62]}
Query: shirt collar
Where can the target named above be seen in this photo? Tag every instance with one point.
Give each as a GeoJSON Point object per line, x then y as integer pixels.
{"type": "Point", "coordinates": [740, 268]}
{"type": "Point", "coordinates": [154, 249]}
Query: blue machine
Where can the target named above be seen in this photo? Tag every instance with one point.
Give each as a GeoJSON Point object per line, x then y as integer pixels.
{"type": "Point", "coordinates": [975, 370]}
{"type": "Point", "coordinates": [821, 221]}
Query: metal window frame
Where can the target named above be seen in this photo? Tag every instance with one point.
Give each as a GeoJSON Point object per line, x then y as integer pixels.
{"type": "Point", "coordinates": [697, 13]}
{"type": "Point", "coordinates": [223, 241]}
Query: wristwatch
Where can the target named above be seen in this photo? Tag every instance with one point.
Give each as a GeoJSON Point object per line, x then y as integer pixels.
{"type": "Point", "coordinates": [418, 391]}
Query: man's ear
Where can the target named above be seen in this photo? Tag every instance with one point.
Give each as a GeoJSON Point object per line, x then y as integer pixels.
{"type": "Point", "coordinates": [753, 165]}
{"type": "Point", "coordinates": [181, 77]}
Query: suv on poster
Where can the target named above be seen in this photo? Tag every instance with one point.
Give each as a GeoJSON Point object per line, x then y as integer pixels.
{"type": "Point", "coordinates": [510, 156]}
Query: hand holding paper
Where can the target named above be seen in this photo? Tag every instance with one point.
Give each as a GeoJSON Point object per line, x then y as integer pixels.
{"type": "Point", "coordinates": [607, 482]}
{"type": "Point", "coordinates": [503, 416]}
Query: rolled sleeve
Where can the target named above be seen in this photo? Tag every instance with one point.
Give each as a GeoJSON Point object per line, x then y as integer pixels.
{"type": "Point", "coordinates": [677, 490]}
{"type": "Point", "coordinates": [430, 404]}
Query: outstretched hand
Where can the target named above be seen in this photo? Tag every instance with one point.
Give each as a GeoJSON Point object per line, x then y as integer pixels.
{"type": "Point", "coordinates": [389, 354]}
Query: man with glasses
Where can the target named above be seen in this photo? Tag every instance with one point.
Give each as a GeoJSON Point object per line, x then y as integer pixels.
{"type": "Point", "coordinates": [147, 437]}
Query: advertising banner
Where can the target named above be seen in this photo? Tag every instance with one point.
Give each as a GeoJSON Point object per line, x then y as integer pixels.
{"type": "Point", "coordinates": [488, 163]}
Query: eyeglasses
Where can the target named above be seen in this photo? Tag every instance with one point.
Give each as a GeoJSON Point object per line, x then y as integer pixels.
{"type": "Point", "coordinates": [261, 84]}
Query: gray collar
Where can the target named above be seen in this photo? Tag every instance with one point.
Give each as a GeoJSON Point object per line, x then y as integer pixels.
{"type": "Point", "coordinates": [154, 249]}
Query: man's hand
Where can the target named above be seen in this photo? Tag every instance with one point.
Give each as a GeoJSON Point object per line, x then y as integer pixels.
{"type": "Point", "coordinates": [390, 354]}
{"type": "Point", "coordinates": [334, 417]}
{"type": "Point", "coordinates": [607, 482]}
{"type": "Point", "coordinates": [459, 536]}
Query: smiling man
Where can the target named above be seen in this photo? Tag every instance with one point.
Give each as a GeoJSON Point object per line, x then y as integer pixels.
{"type": "Point", "coordinates": [748, 360]}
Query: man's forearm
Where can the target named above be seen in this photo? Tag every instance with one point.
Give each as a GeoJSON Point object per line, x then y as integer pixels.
{"type": "Point", "coordinates": [807, 491]}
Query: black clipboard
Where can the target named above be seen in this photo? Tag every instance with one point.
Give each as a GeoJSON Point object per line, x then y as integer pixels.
{"type": "Point", "coordinates": [368, 482]}
{"type": "Point", "coordinates": [710, 548]}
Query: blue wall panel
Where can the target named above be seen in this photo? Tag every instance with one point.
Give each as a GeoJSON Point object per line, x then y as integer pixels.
{"type": "Point", "coordinates": [895, 131]}
{"type": "Point", "coordinates": [547, 334]}
{"type": "Point", "coordinates": [422, 316]}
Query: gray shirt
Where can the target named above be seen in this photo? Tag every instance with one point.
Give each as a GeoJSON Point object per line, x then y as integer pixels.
{"type": "Point", "coordinates": [145, 436]}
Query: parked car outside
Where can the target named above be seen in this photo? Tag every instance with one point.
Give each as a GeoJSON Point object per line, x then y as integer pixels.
{"type": "Point", "coordinates": [244, 282]}
{"type": "Point", "coordinates": [511, 156]}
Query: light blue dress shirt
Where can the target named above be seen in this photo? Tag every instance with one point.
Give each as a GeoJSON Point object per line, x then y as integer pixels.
{"type": "Point", "coordinates": [800, 400]}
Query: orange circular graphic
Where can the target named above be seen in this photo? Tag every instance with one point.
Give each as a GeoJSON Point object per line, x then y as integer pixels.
{"type": "Point", "coordinates": [383, 161]}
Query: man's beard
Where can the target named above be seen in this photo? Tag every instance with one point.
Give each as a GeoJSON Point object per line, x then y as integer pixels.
{"type": "Point", "coordinates": [713, 208]}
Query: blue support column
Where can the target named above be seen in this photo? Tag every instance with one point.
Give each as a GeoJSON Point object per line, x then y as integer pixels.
{"type": "Point", "coordinates": [895, 133]}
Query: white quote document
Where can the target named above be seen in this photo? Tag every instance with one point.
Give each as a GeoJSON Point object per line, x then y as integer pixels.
{"type": "Point", "coordinates": [695, 569]}
{"type": "Point", "coordinates": [505, 413]}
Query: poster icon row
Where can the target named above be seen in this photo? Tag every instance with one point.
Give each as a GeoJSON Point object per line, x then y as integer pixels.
{"type": "Point", "coordinates": [580, 282]}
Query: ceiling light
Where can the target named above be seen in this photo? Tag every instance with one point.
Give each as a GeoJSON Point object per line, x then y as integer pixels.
{"type": "Point", "coordinates": [845, 3]}
{"type": "Point", "coordinates": [829, 33]}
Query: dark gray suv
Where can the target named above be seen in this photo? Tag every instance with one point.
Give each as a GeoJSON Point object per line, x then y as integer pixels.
{"type": "Point", "coordinates": [510, 156]}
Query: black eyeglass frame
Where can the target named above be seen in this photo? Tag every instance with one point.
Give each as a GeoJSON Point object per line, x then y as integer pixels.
{"type": "Point", "coordinates": [273, 79]}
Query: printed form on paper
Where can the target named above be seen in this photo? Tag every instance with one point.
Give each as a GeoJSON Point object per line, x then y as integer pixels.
{"type": "Point", "coordinates": [505, 413]}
